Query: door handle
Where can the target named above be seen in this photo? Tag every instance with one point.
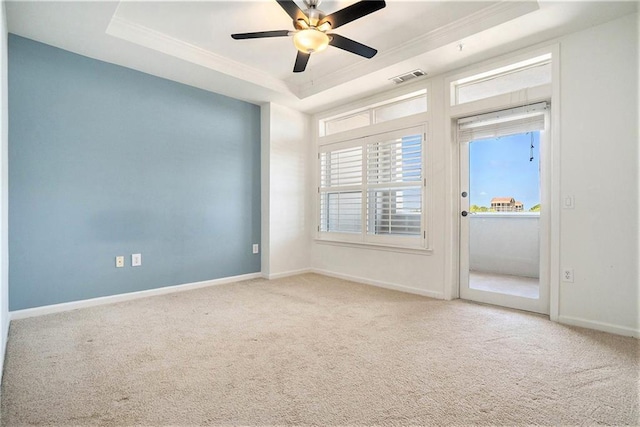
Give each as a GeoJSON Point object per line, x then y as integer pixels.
{"type": "Point", "coordinates": [464, 213]}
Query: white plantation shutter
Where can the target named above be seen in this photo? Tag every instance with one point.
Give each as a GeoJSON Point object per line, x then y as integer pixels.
{"type": "Point", "coordinates": [341, 211]}
{"type": "Point", "coordinates": [502, 123]}
{"type": "Point", "coordinates": [341, 190]}
{"type": "Point", "coordinates": [380, 178]}
{"type": "Point", "coordinates": [398, 160]}
{"type": "Point", "coordinates": [341, 167]}
{"type": "Point", "coordinates": [394, 178]}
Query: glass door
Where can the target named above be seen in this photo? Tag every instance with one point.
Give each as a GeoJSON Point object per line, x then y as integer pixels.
{"type": "Point", "coordinates": [502, 220]}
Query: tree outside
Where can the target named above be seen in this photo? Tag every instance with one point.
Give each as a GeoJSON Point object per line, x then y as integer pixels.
{"type": "Point", "coordinates": [476, 208]}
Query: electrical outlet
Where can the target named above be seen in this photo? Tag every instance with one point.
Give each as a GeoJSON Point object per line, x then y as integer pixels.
{"type": "Point", "coordinates": [567, 275]}
{"type": "Point", "coordinates": [119, 261]}
{"type": "Point", "coordinates": [136, 260]}
{"type": "Point", "coordinates": [256, 248]}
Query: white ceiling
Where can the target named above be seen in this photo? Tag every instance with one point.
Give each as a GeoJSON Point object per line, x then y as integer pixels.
{"type": "Point", "coordinates": [190, 42]}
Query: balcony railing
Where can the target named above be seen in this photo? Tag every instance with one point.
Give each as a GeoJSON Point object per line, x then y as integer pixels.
{"type": "Point", "coordinates": [505, 243]}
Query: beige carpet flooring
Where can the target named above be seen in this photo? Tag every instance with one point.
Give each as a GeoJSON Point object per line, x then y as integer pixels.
{"type": "Point", "coordinates": [313, 350]}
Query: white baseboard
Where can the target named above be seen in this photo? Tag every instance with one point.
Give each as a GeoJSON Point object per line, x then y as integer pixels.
{"type": "Point", "coordinates": [599, 326]}
{"type": "Point", "coordinates": [74, 305]}
{"type": "Point", "coordinates": [286, 274]}
{"type": "Point", "coordinates": [380, 284]}
{"type": "Point", "coordinates": [4, 341]}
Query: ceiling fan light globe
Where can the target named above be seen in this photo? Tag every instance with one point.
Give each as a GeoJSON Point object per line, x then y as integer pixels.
{"type": "Point", "coordinates": [310, 40]}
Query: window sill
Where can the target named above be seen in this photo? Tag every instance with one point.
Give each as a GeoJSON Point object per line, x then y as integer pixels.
{"type": "Point", "coordinates": [376, 247]}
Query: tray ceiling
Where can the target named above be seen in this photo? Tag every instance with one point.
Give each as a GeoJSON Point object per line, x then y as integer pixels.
{"type": "Point", "coordinates": [189, 41]}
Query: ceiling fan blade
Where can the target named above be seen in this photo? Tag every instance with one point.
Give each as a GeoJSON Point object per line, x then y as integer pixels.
{"type": "Point", "coordinates": [261, 34]}
{"type": "Point", "coordinates": [301, 62]}
{"type": "Point", "coordinates": [352, 46]}
{"type": "Point", "coordinates": [353, 12]}
{"type": "Point", "coordinates": [293, 10]}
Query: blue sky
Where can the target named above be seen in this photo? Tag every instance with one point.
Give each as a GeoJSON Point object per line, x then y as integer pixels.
{"type": "Point", "coordinates": [501, 168]}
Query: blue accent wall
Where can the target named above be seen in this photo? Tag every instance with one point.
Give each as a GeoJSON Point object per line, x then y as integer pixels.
{"type": "Point", "coordinates": [107, 161]}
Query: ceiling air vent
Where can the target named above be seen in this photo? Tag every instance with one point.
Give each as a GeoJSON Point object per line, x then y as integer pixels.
{"type": "Point", "coordinates": [408, 76]}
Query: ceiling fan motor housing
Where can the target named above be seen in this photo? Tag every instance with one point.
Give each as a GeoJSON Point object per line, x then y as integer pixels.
{"type": "Point", "coordinates": [313, 14]}
{"type": "Point", "coordinates": [312, 3]}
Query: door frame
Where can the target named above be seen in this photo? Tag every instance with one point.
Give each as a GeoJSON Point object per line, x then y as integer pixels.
{"type": "Point", "coordinates": [453, 112]}
{"type": "Point", "coordinates": [542, 303]}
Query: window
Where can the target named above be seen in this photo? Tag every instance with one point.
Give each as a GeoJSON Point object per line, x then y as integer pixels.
{"type": "Point", "coordinates": [401, 108]}
{"type": "Point", "coordinates": [372, 189]}
{"type": "Point", "coordinates": [390, 109]}
{"type": "Point", "coordinates": [344, 123]}
{"type": "Point", "coordinates": [503, 153]}
{"type": "Point", "coordinates": [394, 175]}
{"type": "Point", "coordinates": [341, 204]}
{"type": "Point", "coordinates": [525, 74]}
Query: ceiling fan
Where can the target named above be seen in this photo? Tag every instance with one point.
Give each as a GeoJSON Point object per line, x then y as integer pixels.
{"type": "Point", "coordinates": [312, 28]}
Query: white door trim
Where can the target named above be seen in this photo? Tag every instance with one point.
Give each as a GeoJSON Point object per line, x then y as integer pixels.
{"type": "Point", "coordinates": [540, 305]}
{"type": "Point", "coordinates": [453, 112]}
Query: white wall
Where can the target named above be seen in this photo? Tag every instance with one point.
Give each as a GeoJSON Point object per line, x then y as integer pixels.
{"type": "Point", "coordinates": [421, 273]}
{"type": "Point", "coordinates": [598, 159]}
{"type": "Point", "coordinates": [505, 244]}
{"type": "Point", "coordinates": [286, 179]}
{"type": "Point", "coordinates": [599, 167]}
{"type": "Point", "coordinates": [4, 190]}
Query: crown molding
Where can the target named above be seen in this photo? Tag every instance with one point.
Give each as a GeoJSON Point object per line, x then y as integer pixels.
{"type": "Point", "coordinates": [481, 20]}
{"type": "Point", "coordinates": [139, 34]}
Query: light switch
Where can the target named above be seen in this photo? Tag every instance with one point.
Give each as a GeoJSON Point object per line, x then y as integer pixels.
{"type": "Point", "coordinates": [568, 202]}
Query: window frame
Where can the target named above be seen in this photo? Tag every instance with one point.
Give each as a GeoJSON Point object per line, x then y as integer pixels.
{"type": "Point", "coordinates": [370, 108]}
{"type": "Point", "coordinates": [345, 138]}
{"type": "Point", "coordinates": [364, 237]}
{"type": "Point", "coordinates": [334, 235]}
{"type": "Point", "coordinates": [495, 70]}
{"type": "Point", "coordinates": [396, 240]}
